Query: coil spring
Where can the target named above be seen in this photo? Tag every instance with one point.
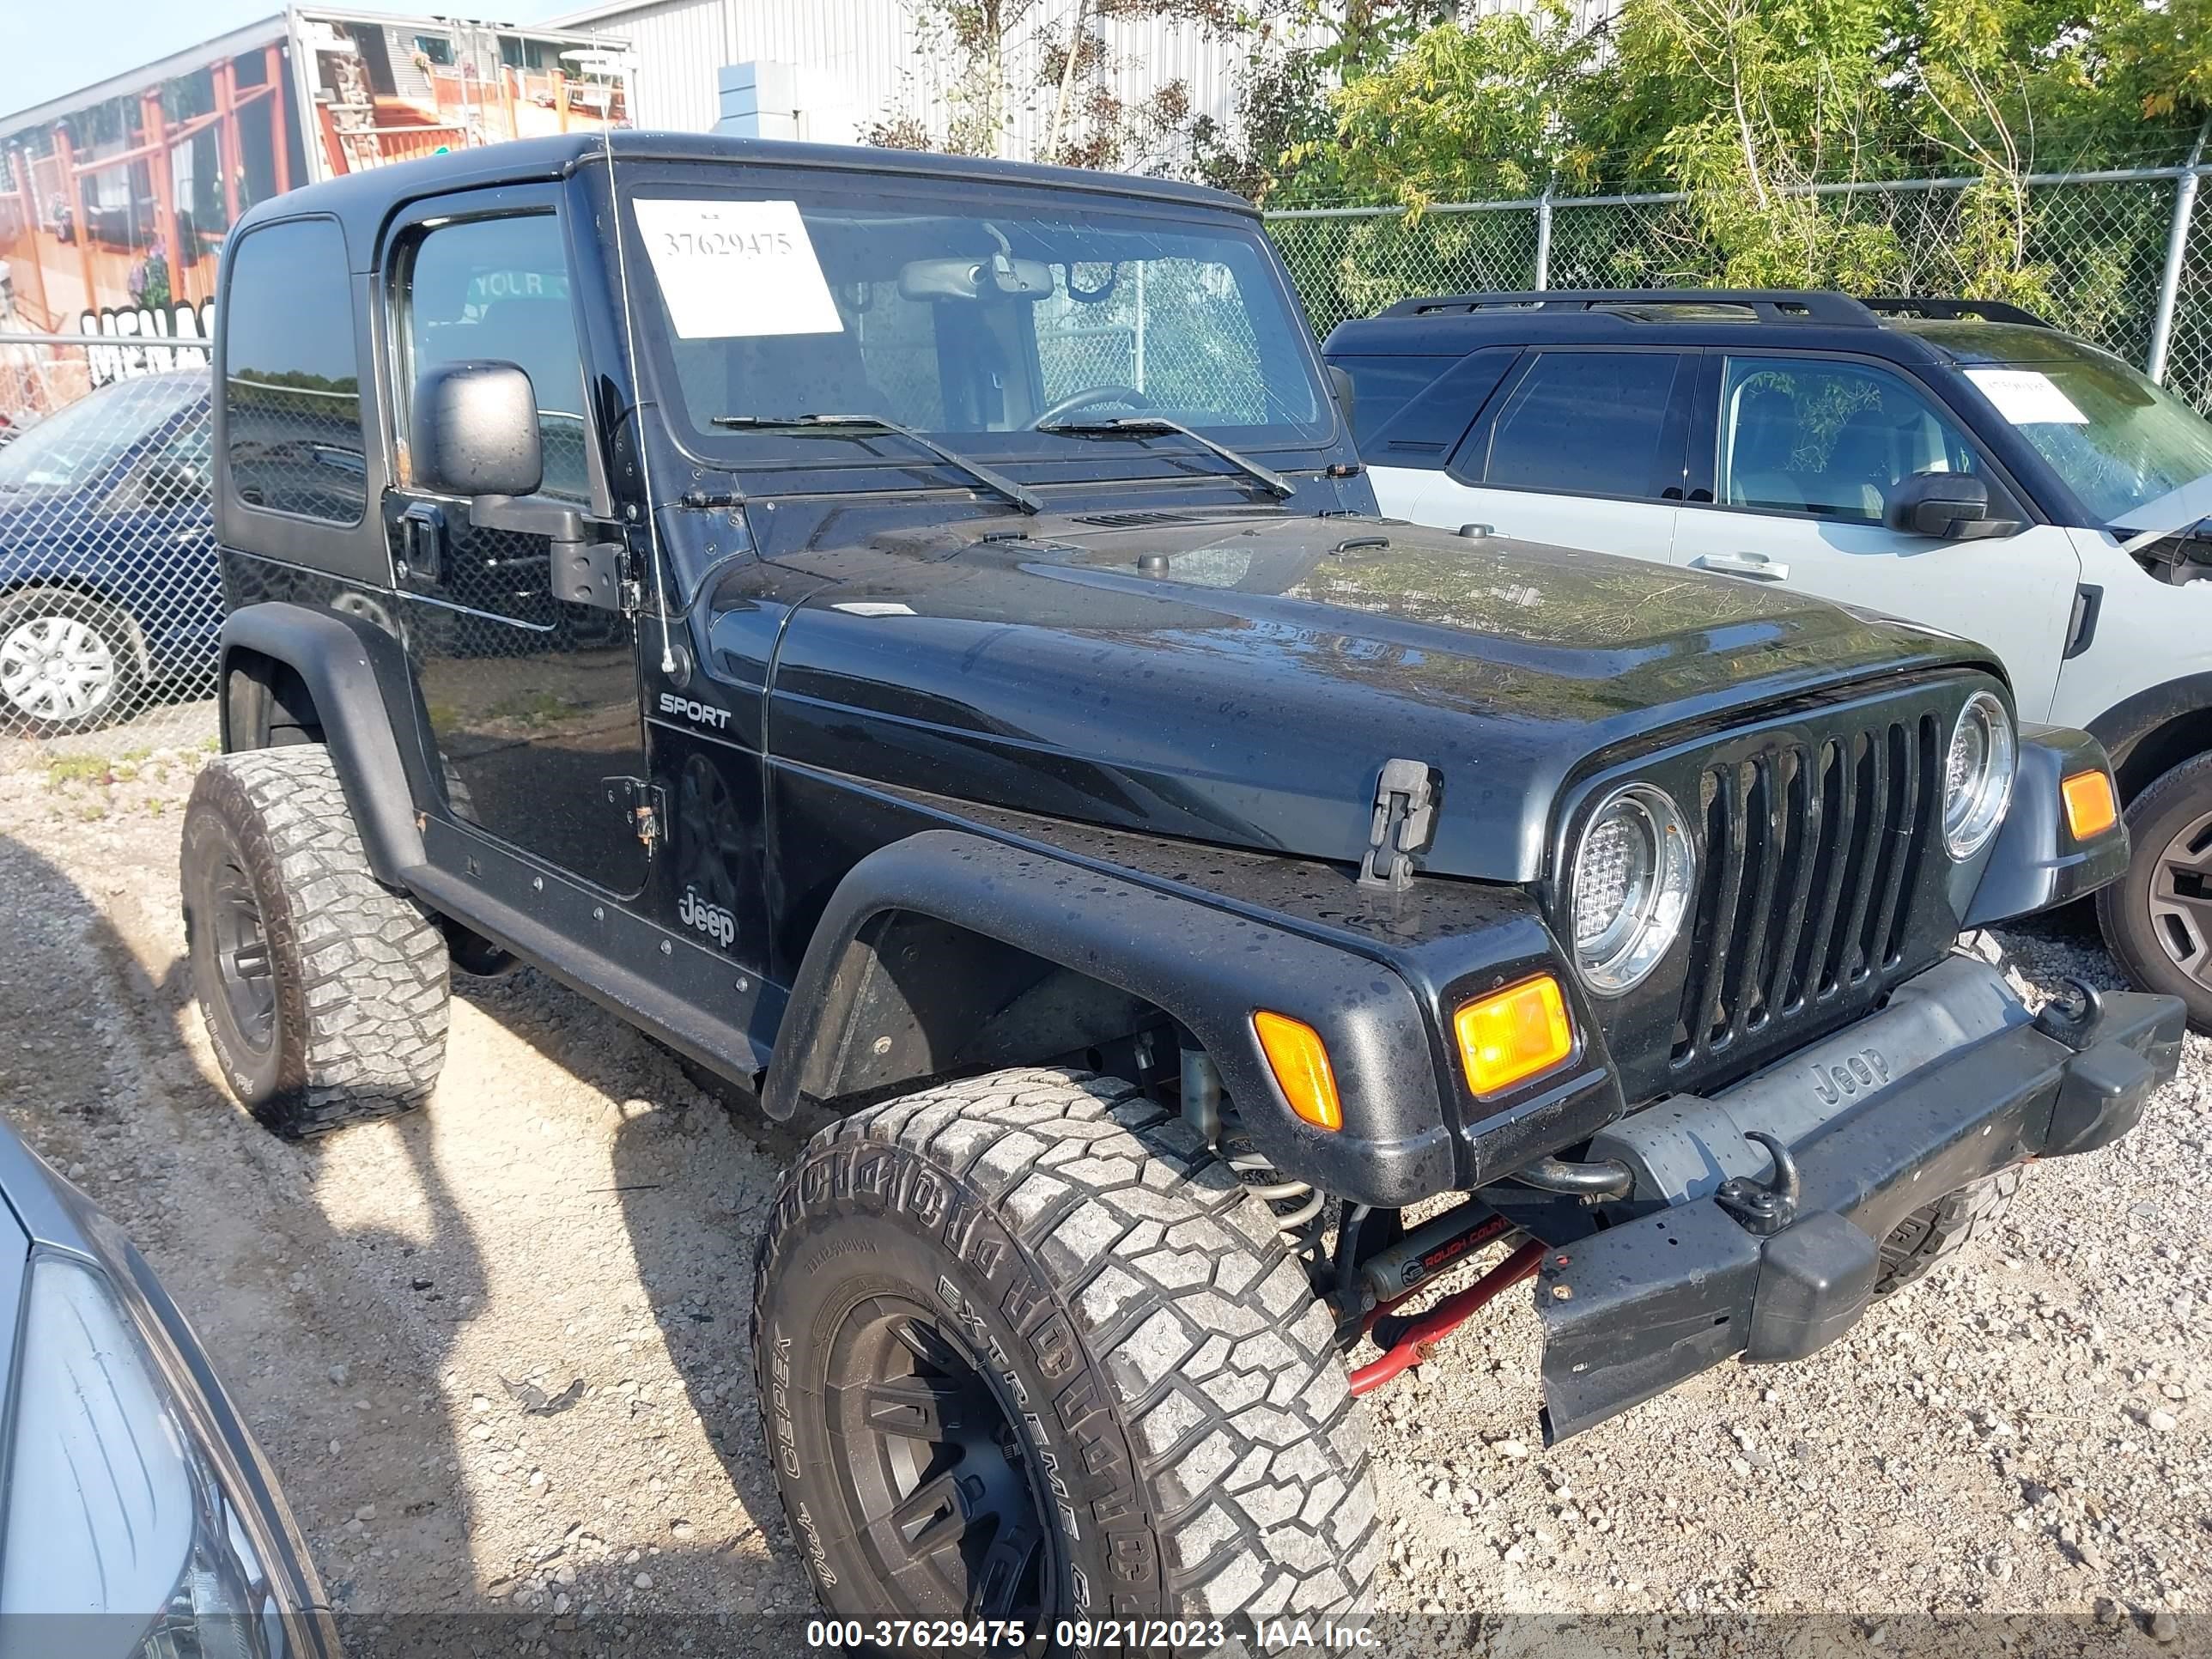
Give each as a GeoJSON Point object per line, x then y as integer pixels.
{"type": "Point", "coordinates": [1300, 1221]}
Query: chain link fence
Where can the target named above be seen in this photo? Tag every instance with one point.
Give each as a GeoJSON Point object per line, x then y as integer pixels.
{"type": "Point", "coordinates": [110, 597]}
{"type": "Point", "coordinates": [2122, 252]}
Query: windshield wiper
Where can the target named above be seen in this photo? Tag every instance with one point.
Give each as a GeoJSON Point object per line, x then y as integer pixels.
{"type": "Point", "coordinates": [1147, 426]}
{"type": "Point", "coordinates": [830, 425]}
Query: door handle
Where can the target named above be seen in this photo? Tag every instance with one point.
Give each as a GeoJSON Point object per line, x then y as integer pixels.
{"type": "Point", "coordinates": [422, 544]}
{"type": "Point", "coordinates": [1757, 566]}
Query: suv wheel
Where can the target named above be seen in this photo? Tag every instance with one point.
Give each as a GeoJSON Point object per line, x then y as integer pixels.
{"type": "Point", "coordinates": [324, 990]}
{"type": "Point", "coordinates": [1027, 1349]}
{"type": "Point", "coordinates": [69, 662]}
{"type": "Point", "coordinates": [2157, 918]}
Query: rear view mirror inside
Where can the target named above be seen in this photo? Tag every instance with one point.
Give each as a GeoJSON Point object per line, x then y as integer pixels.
{"type": "Point", "coordinates": [999, 277]}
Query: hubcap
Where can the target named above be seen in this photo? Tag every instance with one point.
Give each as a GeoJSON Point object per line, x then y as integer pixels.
{"type": "Point", "coordinates": [933, 1464]}
{"type": "Point", "coordinates": [56, 668]}
{"type": "Point", "coordinates": [241, 956]}
{"type": "Point", "coordinates": [2181, 899]}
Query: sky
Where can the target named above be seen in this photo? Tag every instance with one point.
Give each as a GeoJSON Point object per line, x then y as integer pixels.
{"type": "Point", "coordinates": [55, 47]}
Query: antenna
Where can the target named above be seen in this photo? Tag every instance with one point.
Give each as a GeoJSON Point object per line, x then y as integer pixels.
{"type": "Point", "coordinates": [661, 570]}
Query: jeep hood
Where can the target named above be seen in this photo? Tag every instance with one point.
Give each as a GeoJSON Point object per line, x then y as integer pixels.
{"type": "Point", "coordinates": [1242, 679]}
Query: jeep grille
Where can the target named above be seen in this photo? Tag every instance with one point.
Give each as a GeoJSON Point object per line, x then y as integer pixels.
{"type": "Point", "coordinates": [1814, 849]}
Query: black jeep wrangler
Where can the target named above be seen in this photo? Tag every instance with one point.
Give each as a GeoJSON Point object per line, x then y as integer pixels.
{"type": "Point", "coordinates": [911, 635]}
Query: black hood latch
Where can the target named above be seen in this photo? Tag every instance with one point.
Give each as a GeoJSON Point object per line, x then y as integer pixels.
{"type": "Point", "coordinates": [1404, 809]}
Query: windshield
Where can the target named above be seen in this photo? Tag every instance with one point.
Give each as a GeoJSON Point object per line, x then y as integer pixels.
{"type": "Point", "coordinates": [975, 322]}
{"type": "Point", "coordinates": [76, 445]}
{"type": "Point", "coordinates": [2118, 440]}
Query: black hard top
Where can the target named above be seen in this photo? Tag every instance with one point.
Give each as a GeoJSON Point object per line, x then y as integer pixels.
{"type": "Point", "coordinates": [362, 201]}
{"type": "Point", "coordinates": [1935, 331]}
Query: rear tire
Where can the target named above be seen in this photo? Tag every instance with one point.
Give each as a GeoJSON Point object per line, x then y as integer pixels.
{"type": "Point", "coordinates": [324, 990]}
{"type": "Point", "coordinates": [1917, 1243]}
{"type": "Point", "coordinates": [1027, 1349]}
{"type": "Point", "coordinates": [2157, 918]}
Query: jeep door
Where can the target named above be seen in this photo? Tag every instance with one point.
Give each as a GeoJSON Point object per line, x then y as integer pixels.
{"type": "Point", "coordinates": [533, 699]}
{"type": "Point", "coordinates": [1795, 457]}
{"type": "Point", "coordinates": [1578, 448]}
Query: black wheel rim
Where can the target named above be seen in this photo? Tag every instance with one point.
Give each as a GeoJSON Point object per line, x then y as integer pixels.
{"type": "Point", "coordinates": [241, 956]}
{"type": "Point", "coordinates": [2181, 899]}
{"type": "Point", "coordinates": [935, 1468]}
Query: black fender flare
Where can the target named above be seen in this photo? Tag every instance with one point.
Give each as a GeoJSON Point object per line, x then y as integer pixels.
{"type": "Point", "coordinates": [2036, 863]}
{"type": "Point", "coordinates": [1207, 967]}
{"type": "Point", "coordinates": [351, 668]}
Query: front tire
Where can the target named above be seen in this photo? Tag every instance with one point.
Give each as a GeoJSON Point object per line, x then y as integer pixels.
{"type": "Point", "coordinates": [1027, 1349]}
{"type": "Point", "coordinates": [69, 662]}
{"type": "Point", "coordinates": [324, 990]}
{"type": "Point", "coordinates": [2157, 918]}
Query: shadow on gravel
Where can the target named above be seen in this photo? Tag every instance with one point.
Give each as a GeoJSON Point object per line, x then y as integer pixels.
{"type": "Point", "coordinates": [694, 1201]}
{"type": "Point", "coordinates": [102, 1079]}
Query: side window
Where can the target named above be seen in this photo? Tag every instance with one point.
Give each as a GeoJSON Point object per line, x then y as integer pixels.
{"type": "Point", "coordinates": [498, 290]}
{"type": "Point", "coordinates": [1831, 439]}
{"type": "Point", "coordinates": [292, 394]}
{"type": "Point", "coordinates": [172, 474]}
{"type": "Point", "coordinates": [1382, 386]}
{"type": "Point", "coordinates": [1587, 421]}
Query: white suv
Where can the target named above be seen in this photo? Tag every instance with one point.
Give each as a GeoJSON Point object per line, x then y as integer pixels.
{"type": "Point", "coordinates": [1955, 462]}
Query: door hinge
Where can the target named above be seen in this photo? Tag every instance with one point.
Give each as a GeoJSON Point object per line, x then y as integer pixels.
{"type": "Point", "coordinates": [1405, 808]}
{"type": "Point", "coordinates": [646, 802]}
{"type": "Point", "coordinates": [630, 593]}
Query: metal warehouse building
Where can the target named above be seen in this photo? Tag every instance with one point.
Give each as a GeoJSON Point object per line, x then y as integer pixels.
{"type": "Point", "coordinates": [824, 69]}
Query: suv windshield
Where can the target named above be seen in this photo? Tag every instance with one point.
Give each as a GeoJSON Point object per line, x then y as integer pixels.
{"type": "Point", "coordinates": [76, 445]}
{"type": "Point", "coordinates": [2118, 440]}
{"type": "Point", "coordinates": [976, 325]}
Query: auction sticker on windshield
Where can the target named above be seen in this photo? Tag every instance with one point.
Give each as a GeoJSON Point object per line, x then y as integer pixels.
{"type": "Point", "coordinates": [728, 269]}
{"type": "Point", "coordinates": [2028, 396]}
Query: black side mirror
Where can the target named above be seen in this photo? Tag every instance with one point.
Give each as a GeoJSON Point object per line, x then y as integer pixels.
{"type": "Point", "coordinates": [1339, 383]}
{"type": "Point", "coordinates": [1952, 507]}
{"type": "Point", "coordinates": [472, 430]}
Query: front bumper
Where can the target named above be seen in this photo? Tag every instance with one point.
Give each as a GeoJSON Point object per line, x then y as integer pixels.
{"type": "Point", "coordinates": [1679, 1284]}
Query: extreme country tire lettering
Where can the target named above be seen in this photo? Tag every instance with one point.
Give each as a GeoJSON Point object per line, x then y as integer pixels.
{"type": "Point", "coordinates": [324, 992]}
{"type": "Point", "coordinates": [1182, 1415]}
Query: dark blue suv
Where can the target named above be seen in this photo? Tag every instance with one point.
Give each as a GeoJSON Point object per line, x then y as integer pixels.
{"type": "Point", "coordinates": [108, 581]}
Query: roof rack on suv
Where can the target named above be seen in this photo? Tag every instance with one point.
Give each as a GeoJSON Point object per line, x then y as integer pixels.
{"type": "Point", "coordinates": [1935, 309]}
{"type": "Point", "coordinates": [1764, 304]}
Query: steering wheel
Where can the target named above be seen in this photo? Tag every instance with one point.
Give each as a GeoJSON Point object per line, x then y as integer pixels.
{"type": "Point", "coordinates": [1089, 397]}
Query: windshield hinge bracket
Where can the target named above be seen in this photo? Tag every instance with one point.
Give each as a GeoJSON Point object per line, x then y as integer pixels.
{"type": "Point", "coordinates": [1405, 811]}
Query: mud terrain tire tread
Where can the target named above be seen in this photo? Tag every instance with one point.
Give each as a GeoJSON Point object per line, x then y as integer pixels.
{"type": "Point", "coordinates": [1249, 1448]}
{"type": "Point", "coordinates": [361, 970]}
{"type": "Point", "coordinates": [1924, 1238]}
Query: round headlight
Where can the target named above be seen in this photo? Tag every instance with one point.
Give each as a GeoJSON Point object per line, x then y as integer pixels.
{"type": "Point", "coordinates": [1631, 887]}
{"type": "Point", "coordinates": [1978, 774]}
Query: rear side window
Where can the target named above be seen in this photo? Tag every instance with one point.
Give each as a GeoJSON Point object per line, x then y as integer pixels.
{"type": "Point", "coordinates": [1591, 422]}
{"type": "Point", "coordinates": [1382, 386]}
{"type": "Point", "coordinates": [292, 398]}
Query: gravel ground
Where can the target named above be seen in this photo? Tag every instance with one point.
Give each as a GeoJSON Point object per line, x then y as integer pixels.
{"type": "Point", "coordinates": [497, 1349]}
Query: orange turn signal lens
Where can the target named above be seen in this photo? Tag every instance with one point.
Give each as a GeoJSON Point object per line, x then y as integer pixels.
{"type": "Point", "coordinates": [2090, 808]}
{"type": "Point", "coordinates": [1299, 1059]}
{"type": "Point", "coordinates": [1512, 1035]}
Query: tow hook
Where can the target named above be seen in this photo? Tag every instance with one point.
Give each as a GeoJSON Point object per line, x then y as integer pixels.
{"type": "Point", "coordinates": [2068, 1021]}
{"type": "Point", "coordinates": [1764, 1209]}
